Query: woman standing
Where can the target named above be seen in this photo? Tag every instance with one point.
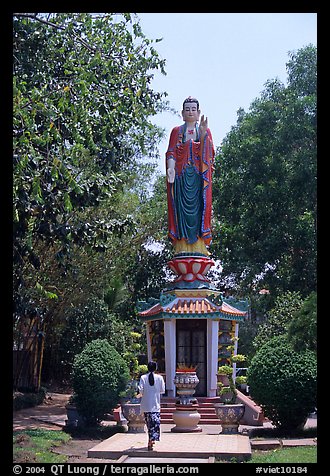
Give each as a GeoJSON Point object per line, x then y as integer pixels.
{"type": "Point", "coordinates": [151, 386]}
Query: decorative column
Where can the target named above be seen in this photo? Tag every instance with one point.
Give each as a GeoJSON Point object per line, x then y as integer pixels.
{"type": "Point", "coordinates": [149, 352]}
{"type": "Point", "coordinates": [212, 356]}
{"type": "Point", "coordinates": [170, 354]}
{"type": "Point", "coordinates": [235, 349]}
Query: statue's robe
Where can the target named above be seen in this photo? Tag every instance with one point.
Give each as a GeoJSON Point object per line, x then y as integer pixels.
{"type": "Point", "coordinates": [189, 198]}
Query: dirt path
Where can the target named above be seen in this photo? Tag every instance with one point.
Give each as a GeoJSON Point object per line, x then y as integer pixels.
{"type": "Point", "coordinates": [52, 409]}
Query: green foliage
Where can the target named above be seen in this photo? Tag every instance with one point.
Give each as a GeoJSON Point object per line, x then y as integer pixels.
{"type": "Point", "coordinates": [238, 358]}
{"type": "Point", "coordinates": [81, 108]}
{"type": "Point", "coordinates": [100, 374]}
{"type": "Point", "coordinates": [279, 318]}
{"type": "Point", "coordinates": [84, 151]}
{"type": "Point", "coordinates": [142, 369]}
{"type": "Point", "coordinates": [240, 380]}
{"type": "Point", "coordinates": [283, 382]}
{"type": "Point", "coordinates": [89, 321]}
{"type": "Point", "coordinates": [131, 354]}
{"type": "Point", "coordinates": [225, 370]}
{"type": "Point", "coordinates": [247, 331]}
{"type": "Point", "coordinates": [265, 186]}
{"type": "Point", "coordinates": [226, 387]}
{"type": "Point", "coordinates": [302, 330]}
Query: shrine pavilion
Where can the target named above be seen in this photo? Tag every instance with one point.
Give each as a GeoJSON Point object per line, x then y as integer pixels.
{"type": "Point", "coordinates": [192, 324]}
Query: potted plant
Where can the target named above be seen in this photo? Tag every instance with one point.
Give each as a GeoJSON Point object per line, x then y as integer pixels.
{"type": "Point", "coordinates": [228, 411]}
{"type": "Point", "coordinates": [74, 418]}
{"type": "Point", "coordinates": [130, 404]}
{"type": "Point", "coordinates": [181, 367]}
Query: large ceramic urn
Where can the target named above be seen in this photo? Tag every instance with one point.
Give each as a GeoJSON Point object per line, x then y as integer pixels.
{"type": "Point", "coordinates": [186, 416]}
{"type": "Point", "coordinates": [229, 415]}
{"type": "Point", "coordinates": [186, 383]}
{"type": "Point", "coordinates": [74, 418]}
{"type": "Point", "coordinates": [135, 421]}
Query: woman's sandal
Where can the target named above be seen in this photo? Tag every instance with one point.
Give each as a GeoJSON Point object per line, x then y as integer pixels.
{"type": "Point", "coordinates": [150, 447]}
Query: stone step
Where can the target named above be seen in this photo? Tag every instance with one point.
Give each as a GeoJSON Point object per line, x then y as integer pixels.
{"type": "Point", "coordinates": [202, 414]}
{"type": "Point", "coordinates": [202, 421]}
{"type": "Point", "coordinates": [200, 405]}
{"type": "Point", "coordinates": [200, 409]}
{"type": "Point", "coordinates": [208, 415]}
{"type": "Point", "coordinates": [200, 400]}
{"type": "Point", "coordinates": [174, 445]}
{"type": "Point", "coordinates": [205, 409]}
{"type": "Point", "coordinates": [253, 413]}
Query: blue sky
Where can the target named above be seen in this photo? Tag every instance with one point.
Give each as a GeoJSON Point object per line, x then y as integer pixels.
{"type": "Point", "coordinates": [223, 59]}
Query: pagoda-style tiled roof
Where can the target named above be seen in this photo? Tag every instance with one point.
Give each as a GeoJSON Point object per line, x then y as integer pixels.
{"type": "Point", "coordinates": [156, 309]}
{"type": "Point", "coordinates": [231, 310]}
{"type": "Point", "coordinates": [200, 307]}
{"type": "Point", "coordinates": [191, 306]}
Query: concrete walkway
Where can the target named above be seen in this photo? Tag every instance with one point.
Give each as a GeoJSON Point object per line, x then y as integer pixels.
{"type": "Point", "coordinates": [200, 445]}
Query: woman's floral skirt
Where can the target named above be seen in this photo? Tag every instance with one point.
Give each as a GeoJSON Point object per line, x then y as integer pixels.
{"type": "Point", "coordinates": [152, 420]}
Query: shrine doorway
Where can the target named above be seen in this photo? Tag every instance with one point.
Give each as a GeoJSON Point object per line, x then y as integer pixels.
{"type": "Point", "coordinates": [191, 349]}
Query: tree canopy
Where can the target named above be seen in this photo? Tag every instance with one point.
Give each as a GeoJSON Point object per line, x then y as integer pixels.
{"type": "Point", "coordinates": [83, 143]}
{"type": "Point", "coordinates": [81, 108]}
{"type": "Point", "coordinates": [265, 186]}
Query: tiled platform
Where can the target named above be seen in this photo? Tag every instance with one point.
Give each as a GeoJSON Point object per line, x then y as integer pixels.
{"type": "Point", "coordinates": [201, 445]}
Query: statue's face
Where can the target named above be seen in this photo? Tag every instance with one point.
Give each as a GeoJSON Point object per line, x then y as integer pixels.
{"type": "Point", "coordinates": [190, 112]}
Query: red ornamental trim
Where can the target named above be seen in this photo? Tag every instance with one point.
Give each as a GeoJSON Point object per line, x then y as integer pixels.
{"type": "Point", "coordinates": [185, 371]}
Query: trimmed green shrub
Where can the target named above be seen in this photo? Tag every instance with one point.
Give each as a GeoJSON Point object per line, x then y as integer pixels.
{"type": "Point", "coordinates": [283, 382]}
{"type": "Point", "coordinates": [99, 374]}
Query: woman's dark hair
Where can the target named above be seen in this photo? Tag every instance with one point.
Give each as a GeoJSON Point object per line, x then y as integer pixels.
{"type": "Point", "coordinates": [151, 367]}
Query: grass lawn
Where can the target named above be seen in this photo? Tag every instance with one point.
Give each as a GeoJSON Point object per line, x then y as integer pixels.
{"type": "Point", "coordinates": [298, 454]}
{"type": "Point", "coordinates": [34, 446]}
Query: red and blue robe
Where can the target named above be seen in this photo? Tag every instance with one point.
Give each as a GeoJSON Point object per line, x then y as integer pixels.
{"type": "Point", "coordinates": [189, 198]}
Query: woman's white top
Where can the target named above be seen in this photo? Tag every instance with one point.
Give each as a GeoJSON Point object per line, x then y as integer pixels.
{"type": "Point", "coordinates": [150, 401]}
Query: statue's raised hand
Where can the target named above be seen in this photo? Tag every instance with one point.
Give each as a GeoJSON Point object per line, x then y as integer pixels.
{"type": "Point", "coordinates": [203, 126]}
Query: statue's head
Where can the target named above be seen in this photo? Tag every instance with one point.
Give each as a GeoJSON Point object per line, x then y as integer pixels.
{"type": "Point", "coordinates": [190, 110]}
{"type": "Point", "coordinates": [190, 99]}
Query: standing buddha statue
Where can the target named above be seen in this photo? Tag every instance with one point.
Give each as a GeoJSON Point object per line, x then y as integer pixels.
{"type": "Point", "coordinates": [189, 167]}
